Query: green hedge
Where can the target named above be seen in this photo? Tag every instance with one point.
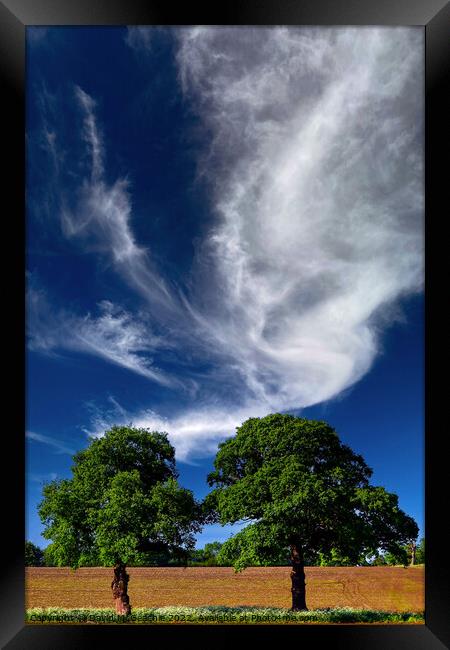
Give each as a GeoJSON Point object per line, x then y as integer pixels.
{"type": "Point", "coordinates": [209, 614]}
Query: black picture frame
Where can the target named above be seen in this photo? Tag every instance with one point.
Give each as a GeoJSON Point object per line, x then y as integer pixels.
{"type": "Point", "coordinates": [434, 16]}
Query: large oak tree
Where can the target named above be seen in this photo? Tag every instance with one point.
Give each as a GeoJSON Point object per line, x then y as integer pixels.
{"type": "Point", "coordinates": [303, 492]}
{"type": "Point", "coordinates": [123, 505]}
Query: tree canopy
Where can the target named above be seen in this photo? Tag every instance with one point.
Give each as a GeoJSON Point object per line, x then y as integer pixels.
{"type": "Point", "coordinates": [122, 504]}
{"type": "Point", "coordinates": [206, 556]}
{"type": "Point", "coordinates": [295, 483]}
{"type": "Point", "coordinates": [34, 556]}
{"type": "Point", "coordinates": [410, 554]}
{"type": "Point", "coordinates": [420, 551]}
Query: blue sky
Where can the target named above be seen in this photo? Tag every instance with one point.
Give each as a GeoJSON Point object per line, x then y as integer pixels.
{"type": "Point", "coordinates": [224, 223]}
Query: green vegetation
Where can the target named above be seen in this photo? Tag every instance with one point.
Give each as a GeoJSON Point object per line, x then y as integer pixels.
{"type": "Point", "coordinates": [123, 504]}
{"type": "Point", "coordinates": [221, 615]}
{"type": "Point", "coordinates": [304, 495]}
{"type": "Point", "coordinates": [34, 556]}
{"type": "Point", "coordinates": [404, 557]}
{"type": "Point", "coordinates": [420, 552]}
{"type": "Point", "coordinates": [207, 556]}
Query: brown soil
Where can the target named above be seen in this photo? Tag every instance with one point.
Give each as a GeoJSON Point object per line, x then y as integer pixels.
{"type": "Point", "coordinates": [386, 588]}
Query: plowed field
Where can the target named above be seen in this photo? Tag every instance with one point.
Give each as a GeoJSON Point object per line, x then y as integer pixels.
{"type": "Point", "coordinates": [388, 588]}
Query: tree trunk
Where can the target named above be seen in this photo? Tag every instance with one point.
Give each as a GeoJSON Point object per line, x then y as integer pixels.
{"type": "Point", "coordinates": [119, 588]}
{"type": "Point", "coordinates": [413, 554]}
{"type": "Point", "coordinates": [298, 578]}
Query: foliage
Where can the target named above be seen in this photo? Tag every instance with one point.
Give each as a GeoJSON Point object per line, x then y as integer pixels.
{"type": "Point", "coordinates": [220, 614]}
{"type": "Point", "coordinates": [420, 551]}
{"type": "Point", "coordinates": [34, 556]}
{"type": "Point", "coordinates": [295, 482]}
{"type": "Point", "coordinates": [402, 557]}
{"type": "Point", "coordinates": [335, 558]}
{"type": "Point", "coordinates": [212, 549]}
{"type": "Point", "coordinates": [122, 503]}
{"type": "Point", "coordinates": [207, 556]}
{"type": "Point", "coordinates": [49, 556]}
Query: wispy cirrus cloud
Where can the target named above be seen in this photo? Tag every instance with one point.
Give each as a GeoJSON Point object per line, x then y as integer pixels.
{"type": "Point", "coordinates": [58, 445]}
{"type": "Point", "coordinates": [91, 134]}
{"type": "Point", "coordinates": [41, 478]}
{"type": "Point", "coordinates": [140, 38]}
{"type": "Point", "coordinates": [316, 170]}
{"type": "Point", "coordinates": [102, 212]}
{"type": "Point", "coordinates": [113, 335]}
{"type": "Point", "coordinates": [313, 157]}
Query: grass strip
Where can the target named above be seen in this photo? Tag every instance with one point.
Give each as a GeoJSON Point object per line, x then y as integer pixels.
{"type": "Point", "coordinates": [218, 614]}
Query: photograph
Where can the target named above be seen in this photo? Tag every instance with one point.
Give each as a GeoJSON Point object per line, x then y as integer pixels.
{"type": "Point", "coordinates": [225, 315]}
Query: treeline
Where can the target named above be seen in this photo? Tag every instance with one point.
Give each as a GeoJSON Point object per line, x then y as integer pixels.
{"type": "Point", "coordinates": [210, 556]}
{"type": "Point", "coordinates": [412, 554]}
{"type": "Point", "coordinates": [207, 556]}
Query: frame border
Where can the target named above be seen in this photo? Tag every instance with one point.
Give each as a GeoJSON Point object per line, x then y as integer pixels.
{"type": "Point", "coordinates": [434, 16]}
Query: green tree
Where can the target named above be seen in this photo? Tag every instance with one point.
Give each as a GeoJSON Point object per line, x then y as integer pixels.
{"type": "Point", "coordinates": [34, 556]}
{"type": "Point", "coordinates": [49, 557]}
{"type": "Point", "coordinates": [197, 556]}
{"type": "Point", "coordinates": [394, 558]}
{"type": "Point", "coordinates": [207, 556]}
{"type": "Point", "coordinates": [420, 551]}
{"type": "Point", "coordinates": [410, 554]}
{"type": "Point", "coordinates": [334, 558]}
{"type": "Point", "coordinates": [302, 491]}
{"type": "Point", "coordinates": [123, 504]}
{"type": "Point", "coordinates": [211, 553]}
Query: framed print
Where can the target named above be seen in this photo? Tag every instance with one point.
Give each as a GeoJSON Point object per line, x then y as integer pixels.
{"type": "Point", "coordinates": [229, 224]}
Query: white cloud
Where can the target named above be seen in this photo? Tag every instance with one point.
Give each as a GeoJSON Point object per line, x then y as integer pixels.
{"type": "Point", "coordinates": [103, 212]}
{"type": "Point", "coordinates": [90, 133]}
{"type": "Point", "coordinates": [113, 335]}
{"type": "Point", "coordinates": [60, 446]}
{"type": "Point", "coordinates": [42, 478]}
{"type": "Point", "coordinates": [317, 186]}
{"type": "Point", "coordinates": [314, 158]}
{"type": "Point", "coordinates": [140, 38]}
{"type": "Point", "coordinates": [119, 339]}
{"type": "Point", "coordinates": [194, 432]}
